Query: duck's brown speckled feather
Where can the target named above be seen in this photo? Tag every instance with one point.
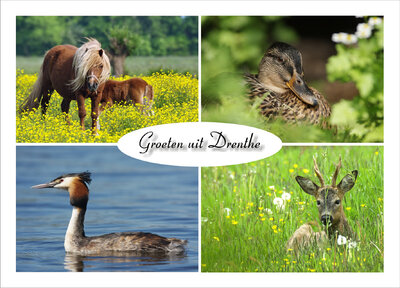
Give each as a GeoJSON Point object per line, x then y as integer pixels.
{"type": "Point", "coordinates": [287, 106]}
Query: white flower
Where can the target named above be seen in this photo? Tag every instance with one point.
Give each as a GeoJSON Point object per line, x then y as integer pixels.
{"type": "Point", "coordinates": [341, 240]}
{"type": "Point", "coordinates": [374, 21]}
{"type": "Point", "coordinates": [204, 219]}
{"type": "Point", "coordinates": [364, 30]}
{"type": "Point", "coordinates": [227, 211]}
{"type": "Point", "coordinates": [271, 187]}
{"type": "Point", "coordinates": [268, 211]}
{"type": "Point", "coordinates": [344, 38]}
{"type": "Point", "coordinates": [338, 37]}
{"type": "Point", "coordinates": [350, 39]}
{"type": "Point", "coordinates": [279, 203]}
{"type": "Point", "coordinates": [232, 175]}
{"type": "Point", "coordinates": [352, 244]}
{"type": "Point", "coordinates": [286, 196]}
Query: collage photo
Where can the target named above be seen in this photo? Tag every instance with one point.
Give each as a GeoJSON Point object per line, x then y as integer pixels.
{"type": "Point", "coordinates": [105, 104]}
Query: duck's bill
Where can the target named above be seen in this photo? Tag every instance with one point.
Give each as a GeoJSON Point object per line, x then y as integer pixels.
{"type": "Point", "coordinates": [45, 185]}
{"type": "Point", "coordinates": [302, 91]}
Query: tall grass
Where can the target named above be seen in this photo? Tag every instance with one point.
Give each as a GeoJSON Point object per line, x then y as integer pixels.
{"type": "Point", "coordinates": [134, 65]}
{"type": "Point", "coordinates": [243, 231]}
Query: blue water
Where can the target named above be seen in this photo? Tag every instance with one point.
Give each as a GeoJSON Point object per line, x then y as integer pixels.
{"type": "Point", "coordinates": [125, 195]}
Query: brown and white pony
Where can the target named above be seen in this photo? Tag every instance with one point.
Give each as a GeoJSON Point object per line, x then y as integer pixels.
{"type": "Point", "coordinates": [76, 74]}
{"type": "Point", "coordinates": [134, 90]}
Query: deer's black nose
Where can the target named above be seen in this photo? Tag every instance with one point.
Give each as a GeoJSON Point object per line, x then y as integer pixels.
{"type": "Point", "coordinates": [326, 219]}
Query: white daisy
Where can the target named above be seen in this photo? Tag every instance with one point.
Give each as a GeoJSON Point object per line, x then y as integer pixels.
{"type": "Point", "coordinates": [374, 21]}
{"type": "Point", "coordinates": [341, 240]}
{"type": "Point", "coordinates": [286, 196]}
{"type": "Point", "coordinates": [279, 203]}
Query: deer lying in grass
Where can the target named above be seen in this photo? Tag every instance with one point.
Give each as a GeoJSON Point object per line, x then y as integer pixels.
{"type": "Point", "coordinates": [330, 208]}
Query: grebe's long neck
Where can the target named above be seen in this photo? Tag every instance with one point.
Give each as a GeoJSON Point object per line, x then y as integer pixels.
{"type": "Point", "coordinates": [75, 232]}
{"type": "Point", "coordinates": [78, 193]}
{"type": "Point", "coordinates": [76, 226]}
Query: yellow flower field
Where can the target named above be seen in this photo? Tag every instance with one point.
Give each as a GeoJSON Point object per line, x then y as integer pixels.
{"type": "Point", "coordinates": [175, 100]}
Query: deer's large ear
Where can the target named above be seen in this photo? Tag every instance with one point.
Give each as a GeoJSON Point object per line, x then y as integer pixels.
{"type": "Point", "coordinates": [348, 181]}
{"type": "Point", "coordinates": [307, 185]}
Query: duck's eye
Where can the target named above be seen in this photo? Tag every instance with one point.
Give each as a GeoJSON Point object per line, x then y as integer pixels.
{"type": "Point", "coordinates": [280, 59]}
{"type": "Point", "coordinates": [337, 202]}
{"type": "Point", "coordinates": [318, 202]}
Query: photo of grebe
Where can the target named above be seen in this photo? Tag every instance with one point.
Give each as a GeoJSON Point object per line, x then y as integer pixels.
{"type": "Point", "coordinates": [146, 214]}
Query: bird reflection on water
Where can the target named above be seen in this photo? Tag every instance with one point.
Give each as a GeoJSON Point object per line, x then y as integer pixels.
{"type": "Point", "coordinates": [79, 263]}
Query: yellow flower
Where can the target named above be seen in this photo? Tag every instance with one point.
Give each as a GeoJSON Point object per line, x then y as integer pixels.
{"type": "Point", "coordinates": [216, 238]}
{"type": "Point", "coordinates": [306, 171]}
{"type": "Point", "coordinates": [363, 205]}
{"type": "Point", "coordinates": [376, 153]}
{"type": "Point", "coordinates": [295, 165]}
{"type": "Point", "coordinates": [348, 208]}
{"type": "Point", "coordinates": [274, 227]}
{"type": "Point", "coordinates": [291, 170]}
{"type": "Point", "coordinates": [234, 222]}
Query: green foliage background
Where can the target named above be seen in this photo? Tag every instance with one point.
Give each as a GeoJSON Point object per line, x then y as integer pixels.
{"type": "Point", "coordinates": [156, 35]}
{"type": "Point", "coordinates": [363, 65]}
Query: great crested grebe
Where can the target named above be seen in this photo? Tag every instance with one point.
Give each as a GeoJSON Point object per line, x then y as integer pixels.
{"type": "Point", "coordinates": [76, 240]}
{"type": "Point", "coordinates": [280, 73]}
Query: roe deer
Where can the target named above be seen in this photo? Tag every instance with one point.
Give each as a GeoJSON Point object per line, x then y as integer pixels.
{"type": "Point", "coordinates": [330, 208]}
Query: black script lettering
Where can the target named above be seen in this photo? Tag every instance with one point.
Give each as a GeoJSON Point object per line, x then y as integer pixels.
{"type": "Point", "coordinates": [219, 139]}
{"type": "Point", "coordinates": [163, 145]}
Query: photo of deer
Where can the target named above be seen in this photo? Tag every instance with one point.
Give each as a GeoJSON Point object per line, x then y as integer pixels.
{"type": "Point", "coordinates": [272, 216]}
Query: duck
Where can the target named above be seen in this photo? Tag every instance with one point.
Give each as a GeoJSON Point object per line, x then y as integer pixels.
{"type": "Point", "coordinates": [284, 92]}
{"type": "Point", "coordinates": [76, 241]}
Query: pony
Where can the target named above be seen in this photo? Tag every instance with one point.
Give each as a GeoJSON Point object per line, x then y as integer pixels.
{"type": "Point", "coordinates": [76, 74]}
{"type": "Point", "coordinates": [134, 90]}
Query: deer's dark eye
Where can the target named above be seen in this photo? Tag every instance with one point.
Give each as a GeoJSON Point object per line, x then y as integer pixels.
{"type": "Point", "coordinates": [318, 202]}
{"type": "Point", "coordinates": [337, 202]}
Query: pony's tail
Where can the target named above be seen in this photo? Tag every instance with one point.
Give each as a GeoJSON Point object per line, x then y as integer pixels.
{"type": "Point", "coordinates": [36, 95]}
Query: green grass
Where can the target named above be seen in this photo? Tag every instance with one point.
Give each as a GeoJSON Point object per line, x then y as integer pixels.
{"type": "Point", "coordinates": [250, 239]}
{"type": "Point", "coordinates": [133, 65]}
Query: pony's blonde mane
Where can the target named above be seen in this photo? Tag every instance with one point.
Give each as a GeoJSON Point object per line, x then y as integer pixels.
{"type": "Point", "coordinates": [86, 57]}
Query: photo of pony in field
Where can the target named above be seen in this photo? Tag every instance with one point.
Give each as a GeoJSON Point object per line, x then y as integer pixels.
{"type": "Point", "coordinates": [126, 82]}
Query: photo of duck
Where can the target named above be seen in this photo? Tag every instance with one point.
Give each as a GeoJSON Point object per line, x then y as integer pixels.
{"type": "Point", "coordinates": [280, 82]}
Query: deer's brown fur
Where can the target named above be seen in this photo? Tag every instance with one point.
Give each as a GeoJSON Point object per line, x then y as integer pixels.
{"type": "Point", "coordinates": [329, 202]}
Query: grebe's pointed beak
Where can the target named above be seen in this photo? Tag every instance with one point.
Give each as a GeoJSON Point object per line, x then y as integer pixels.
{"type": "Point", "coordinates": [45, 185]}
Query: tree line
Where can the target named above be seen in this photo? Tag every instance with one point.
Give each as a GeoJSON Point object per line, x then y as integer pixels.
{"type": "Point", "coordinates": [138, 35]}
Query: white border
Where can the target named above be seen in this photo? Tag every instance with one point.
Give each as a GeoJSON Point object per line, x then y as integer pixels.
{"type": "Point", "coordinates": [390, 10]}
